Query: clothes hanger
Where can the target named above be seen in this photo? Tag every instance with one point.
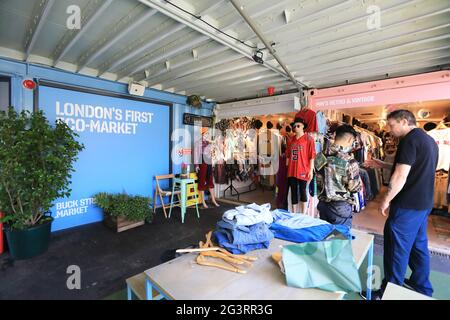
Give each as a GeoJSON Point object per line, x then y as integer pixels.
{"type": "Point", "coordinates": [441, 125]}
{"type": "Point", "coordinates": [223, 254]}
{"type": "Point", "coordinates": [202, 261]}
{"type": "Point", "coordinates": [209, 244]}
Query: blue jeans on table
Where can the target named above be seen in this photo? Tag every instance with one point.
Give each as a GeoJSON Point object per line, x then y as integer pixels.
{"type": "Point", "coordinates": [406, 243]}
{"type": "Point", "coordinates": [222, 238]}
{"type": "Point", "coordinates": [336, 212]}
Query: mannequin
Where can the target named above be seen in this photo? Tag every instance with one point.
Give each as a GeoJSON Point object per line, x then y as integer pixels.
{"type": "Point", "coordinates": [205, 169]}
{"type": "Point", "coordinates": [300, 162]}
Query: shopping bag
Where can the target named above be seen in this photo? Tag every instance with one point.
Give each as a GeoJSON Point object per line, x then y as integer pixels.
{"type": "Point", "coordinates": [326, 265]}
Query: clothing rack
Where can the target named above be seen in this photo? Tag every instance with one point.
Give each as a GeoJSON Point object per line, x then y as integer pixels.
{"type": "Point", "coordinates": [238, 194]}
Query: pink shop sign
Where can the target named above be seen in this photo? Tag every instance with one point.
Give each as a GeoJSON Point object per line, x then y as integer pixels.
{"type": "Point", "coordinates": [425, 92]}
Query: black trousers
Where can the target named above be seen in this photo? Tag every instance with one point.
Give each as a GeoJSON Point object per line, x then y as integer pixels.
{"type": "Point", "coordinates": [298, 188]}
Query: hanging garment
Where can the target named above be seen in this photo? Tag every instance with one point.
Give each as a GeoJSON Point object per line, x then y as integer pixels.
{"type": "Point", "coordinates": [440, 190]}
{"type": "Point", "coordinates": [366, 183]}
{"type": "Point", "coordinates": [373, 182]}
{"type": "Point", "coordinates": [389, 158]}
{"type": "Point", "coordinates": [322, 126]}
{"type": "Point", "coordinates": [310, 118]}
{"type": "Point", "coordinates": [220, 175]}
{"type": "Point", "coordinates": [442, 138]}
{"type": "Point", "coordinates": [282, 184]}
{"type": "Point", "coordinates": [205, 177]}
{"type": "Point", "coordinates": [300, 152]}
{"type": "Point", "coordinates": [326, 265]}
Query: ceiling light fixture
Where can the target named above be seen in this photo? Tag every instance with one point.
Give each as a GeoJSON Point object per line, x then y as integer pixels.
{"type": "Point", "coordinates": [258, 57]}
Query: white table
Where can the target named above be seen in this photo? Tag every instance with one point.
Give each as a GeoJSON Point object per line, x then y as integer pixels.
{"type": "Point", "coordinates": [395, 292]}
{"type": "Point", "coordinates": [183, 279]}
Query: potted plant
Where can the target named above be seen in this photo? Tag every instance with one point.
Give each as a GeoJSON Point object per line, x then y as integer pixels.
{"type": "Point", "coordinates": [184, 171]}
{"type": "Point", "coordinates": [123, 211]}
{"type": "Point", "coordinates": [36, 162]}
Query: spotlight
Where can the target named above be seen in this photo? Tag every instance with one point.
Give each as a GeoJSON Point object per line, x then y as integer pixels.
{"type": "Point", "coordinates": [258, 57]}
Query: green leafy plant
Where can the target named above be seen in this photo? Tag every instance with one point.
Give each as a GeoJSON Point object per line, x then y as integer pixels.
{"type": "Point", "coordinates": [134, 208]}
{"type": "Point", "coordinates": [36, 162]}
{"type": "Point", "coordinates": [194, 101]}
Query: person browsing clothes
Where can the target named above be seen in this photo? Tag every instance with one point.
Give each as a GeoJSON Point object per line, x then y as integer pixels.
{"type": "Point", "coordinates": [410, 199]}
{"type": "Point", "coordinates": [338, 178]}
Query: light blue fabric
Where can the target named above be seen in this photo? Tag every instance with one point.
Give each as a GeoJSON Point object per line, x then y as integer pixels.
{"type": "Point", "coordinates": [250, 214]}
{"type": "Point", "coordinates": [257, 233]}
{"type": "Point", "coordinates": [281, 214]}
{"type": "Point", "coordinates": [310, 234]}
{"type": "Point", "coordinates": [302, 228]}
{"type": "Point", "coordinates": [321, 122]}
{"type": "Point", "coordinates": [232, 225]}
{"type": "Point", "coordinates": [297, 221]}
{"type": "Point", "coordinates": [221, 237]}
{"type": "Point", "coordinates": [326, 265]}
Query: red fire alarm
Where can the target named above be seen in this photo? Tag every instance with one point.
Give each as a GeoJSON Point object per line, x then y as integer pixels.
{"type": "Point", "coordinates": [271, 90]}
{"type": "Point", "coordinates": [29, 84]}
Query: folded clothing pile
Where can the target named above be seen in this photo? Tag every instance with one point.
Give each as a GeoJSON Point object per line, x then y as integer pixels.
{"type": "Point", "coordinates": [245, 228]}
{"type": "Point", "coordinates": [302, 228]}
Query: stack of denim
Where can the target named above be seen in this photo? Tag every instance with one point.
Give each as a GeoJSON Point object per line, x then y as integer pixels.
{"type": "Point", "coordinates": [302, 228]}
{"type": "Point", "coordinates": [245, 228]}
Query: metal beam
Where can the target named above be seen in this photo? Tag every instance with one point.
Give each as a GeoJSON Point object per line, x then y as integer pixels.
{"type": "Point", "coordinates": [239, 92]}
{"type": "Point", "coordinates": [410, 66]}
{"type": "Point", "coordinates": [182, 26]}
{"type": "Point", "coordinates": [199, 26]}
{"type": "Point", "coordinates": [37, 24]}
{"type": "Point", "coordinates": [227, 77]}
{"type": "Point", "coordinates": [332, 9]}
{"type": "Point", "coordinates": [332, 55]}
{"type": "Point", "coordinates": [213, 7]}
{"type": "Point", "coordinates": [255, 28]}
{"type": "Point", "coordinates": [314, 48]}
{"type": "Point", "coordinates": [210, 73]}
{"type": "Point", "coordinates": [114, 37]}
{"type": "Point", "coordinates": [242, 80]}
{"type": "Point", "coordinates": [210, 9]}
{"type": "Point", "coordinates": [59, 54]}
{"type": "Point", "coordinates": [137, 51]}
{"type": "Point", "coordinates": [170, 53]}
{"type": "Point", "coordinates": [175, 66]}
{"type": "Point", "coordinates": [242, 97]}
{"type": "Point", "coordinates": [346, 38]}
{"type": "Point", "coordinates": [248, 86]}
{"type": "Point", "coordinates": [345, 62]}
{"type": "Point", "coordinates": [267, 9]}
{"type": "Point", "coordinates": [355, 76]}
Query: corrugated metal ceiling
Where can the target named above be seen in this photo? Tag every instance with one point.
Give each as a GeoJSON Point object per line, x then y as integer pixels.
{"type": "Point", "coordinates": [322, 42]}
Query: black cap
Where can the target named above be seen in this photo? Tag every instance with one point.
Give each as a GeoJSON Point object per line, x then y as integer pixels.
{"type": "Point", "coordinates": [299, 120]}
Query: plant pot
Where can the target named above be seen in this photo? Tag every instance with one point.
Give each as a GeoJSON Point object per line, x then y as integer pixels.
{"type": "Point", "coordinates": [28, 243]}
{"type": "Point", "coordinates": [119, 224]}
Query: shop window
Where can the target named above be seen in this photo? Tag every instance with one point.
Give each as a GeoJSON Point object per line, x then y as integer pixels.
{"type": "Point", "coordinates": [5, 93]}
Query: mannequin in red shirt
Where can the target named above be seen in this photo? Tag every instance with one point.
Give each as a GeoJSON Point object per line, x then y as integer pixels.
{"type": "Point", "coordinates": [300, 162]}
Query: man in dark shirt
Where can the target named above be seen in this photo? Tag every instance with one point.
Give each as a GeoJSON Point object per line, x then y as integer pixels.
{"type": "Point", "coordinates": [410, 198]}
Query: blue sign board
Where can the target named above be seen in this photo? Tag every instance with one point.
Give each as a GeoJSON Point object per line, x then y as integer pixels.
{"type": "Point", "coordinates": [126, 144]}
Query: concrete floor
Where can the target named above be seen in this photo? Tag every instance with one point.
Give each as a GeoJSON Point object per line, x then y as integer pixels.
{"type": "Point", "coordinates": [372, 221]}
{"type": "Point", "coordinates": [104, 257]}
